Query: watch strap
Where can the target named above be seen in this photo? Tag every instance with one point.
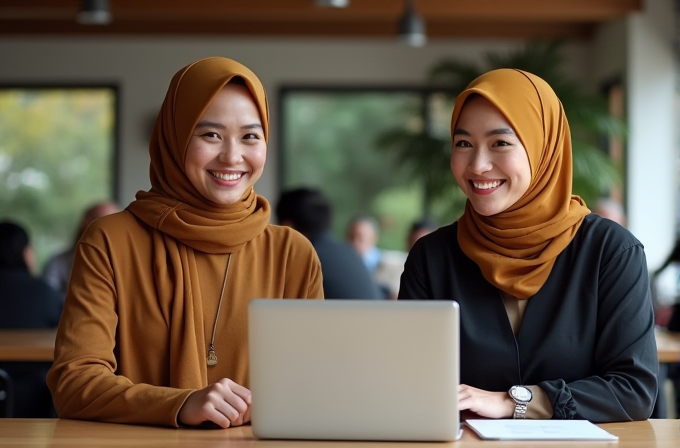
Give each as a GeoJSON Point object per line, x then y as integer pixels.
{"type": "Point", "coordinates": [520, 410]}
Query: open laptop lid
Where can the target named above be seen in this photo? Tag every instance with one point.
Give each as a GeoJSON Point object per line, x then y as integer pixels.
{"type": "Point", "coordinates": [354, 370]}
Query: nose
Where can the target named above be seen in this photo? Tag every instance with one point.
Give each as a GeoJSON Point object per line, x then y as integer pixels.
{"type": "Point", "coordinates": [230, 153]}
{"type": "Point", "coordinates": [480, 162]}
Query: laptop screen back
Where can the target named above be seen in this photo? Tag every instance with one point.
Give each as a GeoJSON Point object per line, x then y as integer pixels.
{"type": "Point", "coordinates": [354, 370]}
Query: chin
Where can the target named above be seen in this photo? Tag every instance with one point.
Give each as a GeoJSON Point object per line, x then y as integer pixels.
{"type": "Point", "coordinates": [485, 211]}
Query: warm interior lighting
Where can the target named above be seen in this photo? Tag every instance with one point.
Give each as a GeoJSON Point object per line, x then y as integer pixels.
{"type": "Point", "coordinates": [94, 12]}
{"type": "Point", "coordinates": [412, 27]}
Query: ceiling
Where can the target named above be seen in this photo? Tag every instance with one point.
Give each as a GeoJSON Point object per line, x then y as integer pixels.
{"type": "Point", "coordinates": [301, 18]}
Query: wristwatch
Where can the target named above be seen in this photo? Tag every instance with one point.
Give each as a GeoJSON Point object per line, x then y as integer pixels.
{"type": "Point", "coordinates": [521, 396]}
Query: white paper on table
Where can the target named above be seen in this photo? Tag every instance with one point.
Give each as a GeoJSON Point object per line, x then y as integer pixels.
{"type": "Point", "coordinates": [510, 429]}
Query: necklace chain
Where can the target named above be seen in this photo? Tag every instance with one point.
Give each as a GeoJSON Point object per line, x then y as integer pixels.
{"type": "Point", "coordinates": [212, 356]}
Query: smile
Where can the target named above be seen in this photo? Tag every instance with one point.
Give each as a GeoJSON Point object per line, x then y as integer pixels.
{"type": "Point", "coordinates": [226, 176]}
{"type": "Point", "coordinates": [487, 185]}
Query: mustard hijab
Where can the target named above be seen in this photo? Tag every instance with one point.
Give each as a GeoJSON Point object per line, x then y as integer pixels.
{"type": "Point", "coordinates": [516, 249]}
{"type": "Point", "coordinates": [184, 221]}
{"type": "Point", "coordinates": [173, 205]}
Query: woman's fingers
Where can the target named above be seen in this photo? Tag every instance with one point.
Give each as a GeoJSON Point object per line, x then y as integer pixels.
{"type": "Point", "coordinates": [484, 403]}
{"type": "Point", "coordinates": [225, 403]}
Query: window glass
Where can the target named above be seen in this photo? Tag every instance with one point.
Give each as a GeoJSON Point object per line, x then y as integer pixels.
{"type": "Point", "coordinates": [56, 159]}
{"type": "Point", "coordinates": [348, 143]}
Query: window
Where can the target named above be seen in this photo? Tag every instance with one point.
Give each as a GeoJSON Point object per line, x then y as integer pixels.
{"type": "Point", "coordinates": [361, 147]}
{"type": "Point", "coordinates": [57, 157]}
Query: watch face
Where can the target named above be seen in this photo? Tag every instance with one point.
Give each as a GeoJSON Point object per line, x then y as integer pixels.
{"type": "Point", "coordinates": [521, 393]}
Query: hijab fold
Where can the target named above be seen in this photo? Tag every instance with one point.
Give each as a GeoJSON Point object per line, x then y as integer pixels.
{"type": "Point", "coordinates": [183, 221]}
{"type": "Point", "coordinates": [516, 248]}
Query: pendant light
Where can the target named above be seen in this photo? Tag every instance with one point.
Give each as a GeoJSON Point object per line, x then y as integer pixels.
{"type": "Point", "coordinates": [94, 12]}
{"type": "Point", "coordinates": [332, 3]}
{"type": "Point", "coordinates": [412, 27]}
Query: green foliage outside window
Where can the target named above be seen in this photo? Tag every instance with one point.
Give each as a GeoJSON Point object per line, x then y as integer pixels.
{"type": "Point", "coordinates": [56, 159]}
{"type": "Point", "coordinates": [329, 143]}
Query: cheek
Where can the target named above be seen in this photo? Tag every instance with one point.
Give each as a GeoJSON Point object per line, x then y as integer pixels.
{"type": "Point", "coordinates": [193, 158]}
{"type": "Point", "coordinates": [522, 173]}
{"type": "Point", "coordinates": [258, 158]}
{"type": "Point", "coordinates": [457, 167]}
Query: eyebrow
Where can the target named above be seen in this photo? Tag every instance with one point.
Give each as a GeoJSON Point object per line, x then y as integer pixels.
{"type": "Point", "coordinates": [212, 124]}
{"type": "Point", "coordinates": [499, 131]}
{"type": "Point", "coordinates": [209, 124]}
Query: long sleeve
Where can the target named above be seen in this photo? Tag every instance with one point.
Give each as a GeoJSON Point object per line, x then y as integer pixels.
{"type": "Point", "coordinates": [114, 350]}
{"type": "Point", "coordinates": [587, 336]}
{"type": "Point", "coordinates": [84, 379]}
{"type": "Point", "coordinates": [623, 385]}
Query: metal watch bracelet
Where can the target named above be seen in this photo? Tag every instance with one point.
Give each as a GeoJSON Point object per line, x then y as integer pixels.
{"type": "Point", "coordinates": [520, 410]}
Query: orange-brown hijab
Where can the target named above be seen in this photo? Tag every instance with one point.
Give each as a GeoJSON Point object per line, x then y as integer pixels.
{"type": "Point", "coordinates": [516, 249]}
{"type": "Point", "coordinates": [173, 205]}
{"type": "Point", "coordinates": [183, 220]}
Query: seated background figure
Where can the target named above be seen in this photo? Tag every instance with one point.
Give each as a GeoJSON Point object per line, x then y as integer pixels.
{"type": "Point", "coordinates": [58, 268]}
{"type": "Point", "coordinates": [26, 302]}
{"type": "Point", "coordinates": [344, 275]}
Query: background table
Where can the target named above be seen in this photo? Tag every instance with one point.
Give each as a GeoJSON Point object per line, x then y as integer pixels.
{"type": "Point", "coordinates": [668, 350]}
{"type": "Point", "coordinates": [27, 345]}
{"type": "Point", "coordinates": [668, 346]}
{"type": "Point", "coordinates": [38, 345]}
{"type": "Point", "coordinates": [27, 433]}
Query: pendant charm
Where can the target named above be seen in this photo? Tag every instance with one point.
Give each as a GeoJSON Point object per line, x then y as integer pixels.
{"type": "Point", "coordinates": [212, 358]}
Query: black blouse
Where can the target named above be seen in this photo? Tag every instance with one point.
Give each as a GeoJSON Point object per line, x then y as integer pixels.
{"type": "Point", "coordinates": [587, 336]}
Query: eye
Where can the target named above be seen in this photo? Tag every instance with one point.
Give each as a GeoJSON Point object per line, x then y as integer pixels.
{"type": "Point", "coordinates": [503, 144]}
{"type": "Point", "coordinates": [211, 135]}
{"type": "Point", "coordinates": [463, 144]}
{"type": "Point", "coordinates": [252, 137]}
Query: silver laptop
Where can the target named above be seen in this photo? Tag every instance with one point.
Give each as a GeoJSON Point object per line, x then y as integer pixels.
{"type": "Point", "coordinates": [354, 369]}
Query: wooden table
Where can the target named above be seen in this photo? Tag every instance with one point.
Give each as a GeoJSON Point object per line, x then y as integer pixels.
{"type": "Point", "coordinates": [27, 345]}
{"type": "Point", "coordinates": [668, 346]}
{"type": "Point", "coordinates": [27, 433]}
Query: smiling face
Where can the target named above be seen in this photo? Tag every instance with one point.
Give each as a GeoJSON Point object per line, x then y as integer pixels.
{"type": "Point", "coordinates": [488, 160]}
{"type": "Point", "coordinates": [227, 150]}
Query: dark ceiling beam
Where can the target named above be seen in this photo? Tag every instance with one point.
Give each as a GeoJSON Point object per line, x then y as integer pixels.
{"type": "Point", "coordinates": [436, 29]}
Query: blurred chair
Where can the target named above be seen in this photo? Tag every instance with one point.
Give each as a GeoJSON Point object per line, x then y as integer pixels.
{"type": "Point", "coordinates": [6, 395]}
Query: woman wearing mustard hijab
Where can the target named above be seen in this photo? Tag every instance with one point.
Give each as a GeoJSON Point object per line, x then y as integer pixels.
{"type": "Point", "coordinates": [154, 324]}
{"type": "Point", "coordinates": [555, 309]}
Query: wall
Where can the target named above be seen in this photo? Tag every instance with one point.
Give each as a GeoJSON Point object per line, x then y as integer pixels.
{"type": "Point", "coordinates": [651, 72]}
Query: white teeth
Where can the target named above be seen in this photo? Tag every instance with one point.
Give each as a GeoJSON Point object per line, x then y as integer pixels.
{"type": "Point", "coordinates": [221, 176]}
{"type": "Point", "coordinates": [486, 185]}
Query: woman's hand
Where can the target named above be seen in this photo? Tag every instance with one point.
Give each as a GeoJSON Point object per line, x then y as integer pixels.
{"type": "Point", "coordinates": [224, 403]}
{"type": "Point", "coordinates": [485, 403]}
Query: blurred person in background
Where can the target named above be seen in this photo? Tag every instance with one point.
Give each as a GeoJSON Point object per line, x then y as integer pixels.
{"type": "Point", "coordinates": [26, 302]}
{"type": "Point", "coordinates": [344, 274]}
{"type": "Point", "coordinates": [610, 209]}
{"type": "Point", "coordinates": [362, 234]}
{"type": "Point", "coordinates": [665, 283]}
{"type": "Point", "coordinates": [384, 265]}
{"type": "Point", "coordinates": [58, 268]}
{"type": "Point", "coordinates": [666, 290]}
{"type": "Point", "coordinates": [419, 229]}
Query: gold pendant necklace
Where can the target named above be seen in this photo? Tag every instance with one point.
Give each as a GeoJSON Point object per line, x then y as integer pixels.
{"type": "Point", "coordinates": [212, 356]}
